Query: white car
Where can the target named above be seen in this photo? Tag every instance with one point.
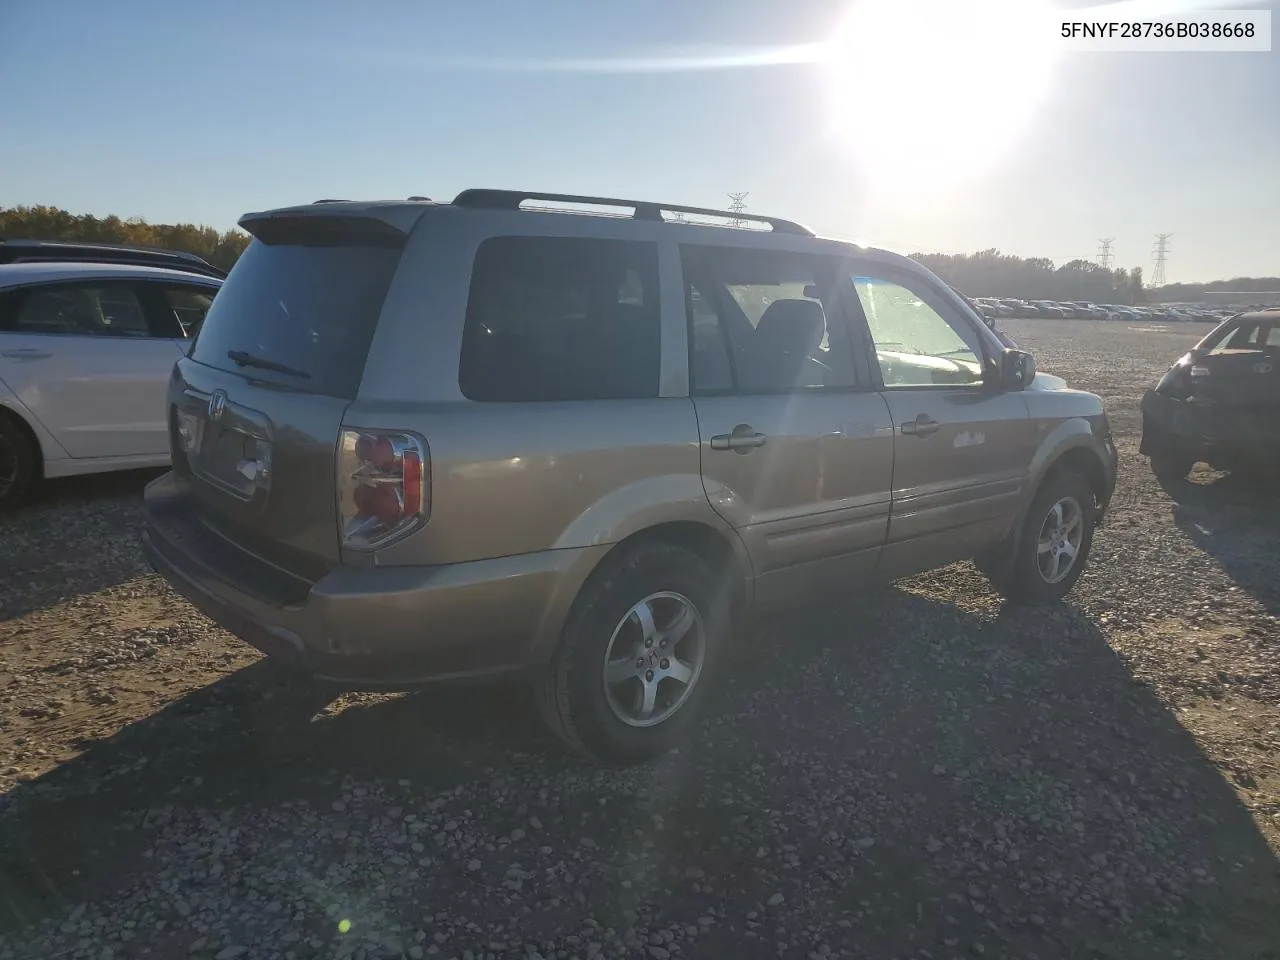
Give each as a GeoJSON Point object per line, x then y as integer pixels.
{"type": "Point", "coordinates": [86, 350]}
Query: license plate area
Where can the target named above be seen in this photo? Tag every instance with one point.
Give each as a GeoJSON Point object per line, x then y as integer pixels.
{"type": "Point", "coordinates": [228, 446]}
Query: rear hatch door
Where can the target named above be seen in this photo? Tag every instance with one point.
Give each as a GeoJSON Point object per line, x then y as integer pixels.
{"type": "Point", "coordinates": [257, 406]}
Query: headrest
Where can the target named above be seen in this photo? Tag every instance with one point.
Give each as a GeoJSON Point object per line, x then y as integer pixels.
{"type": "Point", "coordinates": [793, 326]}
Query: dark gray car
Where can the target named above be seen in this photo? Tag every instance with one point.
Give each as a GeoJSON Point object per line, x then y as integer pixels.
{"type": "Point", "coordinates": [1220, 402]}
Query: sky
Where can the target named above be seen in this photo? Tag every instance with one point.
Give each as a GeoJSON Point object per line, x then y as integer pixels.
{"type": "Point", "coordinates": [913, 133]}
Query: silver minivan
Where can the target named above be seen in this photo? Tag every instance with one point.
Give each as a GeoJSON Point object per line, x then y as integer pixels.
{"type": "Point", "coordinates": [584, 440]}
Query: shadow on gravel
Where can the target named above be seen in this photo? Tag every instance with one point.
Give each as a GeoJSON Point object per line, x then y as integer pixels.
{"type": "Point", "coordinates": [251, 738]}
{"type": "Point", "coordinates": [930, 776]}
{"type": "Point", "coordinates": [43, 559]}
{"type": "Point", "coordinates": [1234, 519]}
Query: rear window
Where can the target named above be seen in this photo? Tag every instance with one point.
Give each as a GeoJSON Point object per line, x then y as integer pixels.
{"type": "Point", "coordinates": [300, 314]}
{"type": "Point", "coordinates": [1235, 334]}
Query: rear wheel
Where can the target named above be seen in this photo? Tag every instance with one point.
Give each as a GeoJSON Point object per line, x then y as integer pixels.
{"type": "Point", "coordinates": [637, 656]}
{"type": "Point", "coordinates": [1053, 546]}
{"type": "Point", "coordinates": [18, 461]}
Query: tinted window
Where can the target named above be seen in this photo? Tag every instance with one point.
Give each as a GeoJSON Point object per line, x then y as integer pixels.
{"type": "Point", "coordinates": [561, 319]}
{"type": "Point", "coordinates": [309, 308]}
{"type": "Point", "coordinates": [918, 340]}
{"type": "Point", "coordinates": [764, 322]}
{"type": "Point", "coordinates": [97, 309]}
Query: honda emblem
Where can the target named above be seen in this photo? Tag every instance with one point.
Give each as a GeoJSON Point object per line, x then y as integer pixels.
{"type": "Point", "coordinates": [217, 403]}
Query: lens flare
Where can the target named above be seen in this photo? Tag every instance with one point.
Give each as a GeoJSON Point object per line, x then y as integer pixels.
{"type": "Point", "coordinates": [930, 93]}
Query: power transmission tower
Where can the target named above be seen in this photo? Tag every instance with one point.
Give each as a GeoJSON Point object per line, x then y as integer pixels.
{"type": "Point", "coordinates": [1161, 254]}
{"type": "Point", "coordinates": [738, 203]}
{"type": "Point", "coordinates": [1104, 252]}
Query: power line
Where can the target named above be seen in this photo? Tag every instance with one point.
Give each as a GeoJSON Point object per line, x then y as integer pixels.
{"type": "Point", "coordinates": [737, 204]}
{"type": "Point", "coordinates": [1104, 252]}
{"type": "Point", "coordinates": [1161, 254]}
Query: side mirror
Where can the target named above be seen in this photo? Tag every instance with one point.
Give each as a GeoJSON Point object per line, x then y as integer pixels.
{"type": "Point", "coordinates": [1017, 369]}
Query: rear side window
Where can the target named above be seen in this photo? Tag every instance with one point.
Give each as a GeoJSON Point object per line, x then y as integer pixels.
{"type": "Point", "coordinates": [99, 309]}
{"type": "Point", "coordinates": [301, 310]}
{"type": "Point", "coordinates": [764, 322]}
{"type": "Point", "coordinates": [554, 318]}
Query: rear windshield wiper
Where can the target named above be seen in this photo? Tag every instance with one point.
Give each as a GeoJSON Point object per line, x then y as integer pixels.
{"type": "Point", "coordinates": [244, 359]}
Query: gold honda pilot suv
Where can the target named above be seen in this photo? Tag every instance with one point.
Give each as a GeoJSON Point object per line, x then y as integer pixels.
{"type": "Point", "coordinates": [581, 439]}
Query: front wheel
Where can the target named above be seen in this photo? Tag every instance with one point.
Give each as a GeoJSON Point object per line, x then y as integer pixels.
{"type": "Point", "coordinates": [1171, 467]}
{"type": "Point", "coordinates": [1054, 544]}
{"type": "Point", "coordinates": [637, 656]}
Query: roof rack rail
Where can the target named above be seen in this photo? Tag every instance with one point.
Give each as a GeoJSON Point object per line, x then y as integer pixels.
{"type": "Point", "coordinates": [328, 201]}
{"type": "Point", "coordinates": [644, 209]}
{"type": "Point", "coordinates": [71, 251]}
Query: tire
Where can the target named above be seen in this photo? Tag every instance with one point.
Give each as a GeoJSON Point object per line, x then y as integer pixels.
{"type": "Point", "coordinates": [1170, 467]}
{"type": "Point", "coordinates": [1025, 579]}
{"type": "Point", "coordinates": [586, 712]}
{"type": "Point", "coordinates": [19, 462]}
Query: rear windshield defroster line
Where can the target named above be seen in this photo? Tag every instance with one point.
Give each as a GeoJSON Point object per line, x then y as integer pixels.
{"type": "Point", "coordinates": [301, 305]}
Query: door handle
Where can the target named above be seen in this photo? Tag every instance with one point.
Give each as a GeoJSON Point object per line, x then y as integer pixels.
{"type": "Point", "coordinates": [25, 353]}
{"type": "Point", "coordinates": [742, 439]}
{"type": "Point", "coordinates": [921, 426]}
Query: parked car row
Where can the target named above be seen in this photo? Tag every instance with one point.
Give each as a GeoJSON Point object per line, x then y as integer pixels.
{"type": "Point", "coordinates": [993, 308]}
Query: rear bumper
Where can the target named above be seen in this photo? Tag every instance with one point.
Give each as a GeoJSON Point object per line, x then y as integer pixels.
{"type": "Point", "coordinates": [1206, 431]}
{"type": "Point", "coordinates": [384, 627]}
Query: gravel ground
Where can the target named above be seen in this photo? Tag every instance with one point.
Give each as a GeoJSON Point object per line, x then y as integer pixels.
{"type": "Point", "coordinates": [915, 773]}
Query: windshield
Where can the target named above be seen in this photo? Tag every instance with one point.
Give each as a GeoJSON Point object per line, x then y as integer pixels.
{"type": "Point", "coordinates": [300, 315]}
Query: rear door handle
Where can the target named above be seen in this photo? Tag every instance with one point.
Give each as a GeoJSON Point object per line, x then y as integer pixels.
{"type": "Point", "coordinates": [25, 353]}
{"type": "Point", "coordinates": [742, 439]}
{"type": "Point", "coordinates": [921, 426]}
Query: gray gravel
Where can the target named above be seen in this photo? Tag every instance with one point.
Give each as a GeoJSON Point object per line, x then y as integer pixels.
{"type": "Point", "coordinates": [914, 773]}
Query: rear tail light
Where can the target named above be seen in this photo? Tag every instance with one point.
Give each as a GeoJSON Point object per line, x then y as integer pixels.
{"type": "Point", "coordinates": [383, 486]}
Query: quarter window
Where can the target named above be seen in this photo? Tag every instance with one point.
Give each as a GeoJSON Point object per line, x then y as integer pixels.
{"type": "Point", "coordinates": [188, 306]}
{"type": "Point", "coordinates": [562, 319]}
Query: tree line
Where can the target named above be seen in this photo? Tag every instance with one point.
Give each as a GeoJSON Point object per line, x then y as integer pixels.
{"type": "Point", "coordinates": [988, 273]}
{"type": "Point", "coordinates": [1174, 292]}
{"type": "Point", "coordinates": [221, 249]}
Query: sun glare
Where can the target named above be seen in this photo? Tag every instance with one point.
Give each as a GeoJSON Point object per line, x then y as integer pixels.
{"type": "Point", "coordinates": [930, 93]}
